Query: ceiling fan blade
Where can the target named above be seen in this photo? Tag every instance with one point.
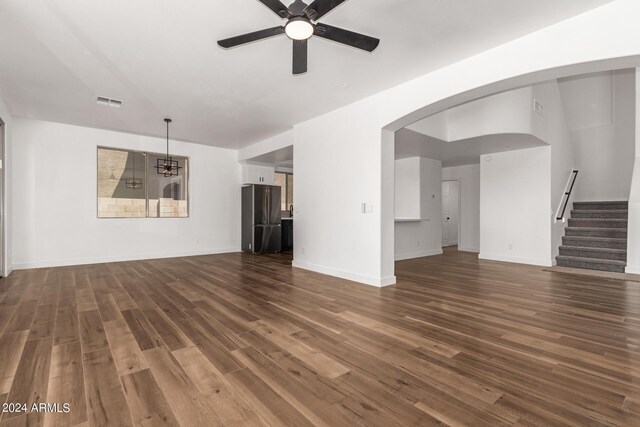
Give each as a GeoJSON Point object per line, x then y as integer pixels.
{"type": "Point", "coordinates": [347, 37]}
{"type": "Point", "coordinates": [300, 56]}
{"type": "Point", "coordinates": [319, 8]}
{"type": "Point", "coordinates": [277, 7]}
{"type": "Point", "coordinates": [250, 37]}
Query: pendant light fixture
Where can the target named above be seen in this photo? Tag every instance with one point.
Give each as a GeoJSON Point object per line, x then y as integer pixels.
{"type": "Point", "coordinates": [167, 166]}
{"type": "Point", "coordinates": [133, 182]}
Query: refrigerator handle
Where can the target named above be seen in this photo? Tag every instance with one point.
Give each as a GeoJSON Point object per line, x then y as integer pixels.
{"type": "Point", "coordinates": [268, 205]}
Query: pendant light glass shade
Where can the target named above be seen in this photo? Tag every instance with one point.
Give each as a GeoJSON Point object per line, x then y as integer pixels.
{"type": "Point", "coordinates": [167, 166]}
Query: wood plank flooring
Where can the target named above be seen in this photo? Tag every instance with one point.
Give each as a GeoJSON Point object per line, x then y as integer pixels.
{"type": "Point", "coordinates": [236, 339]}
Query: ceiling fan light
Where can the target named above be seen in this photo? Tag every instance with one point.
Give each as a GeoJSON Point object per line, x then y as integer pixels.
{"type": "Point", "coordinates": [299, 29]}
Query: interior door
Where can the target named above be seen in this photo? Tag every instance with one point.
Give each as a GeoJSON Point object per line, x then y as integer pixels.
{"type": "Point", "coordinates": [450, 212]}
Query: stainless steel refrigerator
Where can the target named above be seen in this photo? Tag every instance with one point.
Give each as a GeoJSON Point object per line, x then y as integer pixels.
{"type": "Point", "coordinates": [261, 219]}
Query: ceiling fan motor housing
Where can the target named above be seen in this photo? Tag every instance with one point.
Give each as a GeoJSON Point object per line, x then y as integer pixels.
{"type": "Point", "coordinates": [297, 8]}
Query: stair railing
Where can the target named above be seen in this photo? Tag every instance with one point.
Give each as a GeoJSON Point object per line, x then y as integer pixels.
{"type": "Point", "coordinates": [566, 196]}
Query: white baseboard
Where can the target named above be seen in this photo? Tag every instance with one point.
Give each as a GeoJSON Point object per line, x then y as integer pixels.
{"type": "Point", "coordinates": [516, 260]}
{"type": "Point", "coordinates": [419, 254]}
{"type": "Point", "coordinates": [118, 258]}
{"type": "Point", "coordinates": [367, 280]}
{"type": "Point", "coordinates": [463, 249]}
{"type": "Point", "coordinates": [8, 270]}
{"type": "Point", "coordinates": [632, 270]}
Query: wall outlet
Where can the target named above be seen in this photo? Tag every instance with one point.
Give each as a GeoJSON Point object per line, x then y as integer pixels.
{"type": "Point", "coordinates": [510, 246]}
{"type": "Point", "coordinates": [302, 250]}
{"type": "Point", "coordinates": [418, 243]}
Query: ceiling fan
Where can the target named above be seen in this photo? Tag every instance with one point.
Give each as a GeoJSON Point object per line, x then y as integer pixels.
{"type": "Point", "coordinates": [300, 26]}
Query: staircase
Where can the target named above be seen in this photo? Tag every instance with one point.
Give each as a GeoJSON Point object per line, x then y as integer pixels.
{"type": "Point", "coordinates": [596, 238]}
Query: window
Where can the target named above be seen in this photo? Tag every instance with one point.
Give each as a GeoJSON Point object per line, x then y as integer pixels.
{"type": "Point", "coordinates": [285, 181]}
{"type": "Point", "coordinates": [129, 187]}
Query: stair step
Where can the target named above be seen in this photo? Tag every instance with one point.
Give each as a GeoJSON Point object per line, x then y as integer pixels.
{"type": "Point", "coordinates": [594, 242]}
{"type": "Point", "coordinates": [601, 213]}
{"type": "Point", "coordinates": [616, 233]}
{"type": "Point", "coordinates": [598, 223]}
{"type": "Point", "coordinates": [614, 205]}
{"type": "Point", "coordinates": [595, 253]}
{"type": "Point", "coordinates": [591, 263]}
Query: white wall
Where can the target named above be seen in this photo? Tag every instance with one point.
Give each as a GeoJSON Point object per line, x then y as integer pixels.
{"type": "Point", "coordinates": [338, 161]}
{"type": "Point", "coordinates": [600, 110]}
{"type": "Point", "coordinates": [7, 191]}
{"type": "Point", "coordinates": [407, 188]}
{"type": "Point", "coordinates": [54, 198]}
{"type": "Point", "coordinates": [506, 112]}
{"type": "Point", "coordinates": [342, 157]}
{"type": "Point", "coordinates": [435, 126]}
{"type": "Point", "coordinates": [423, 238]}
{"type": "Point", "coordinates": [267, 146]}
{"type": "Point", "coordinates": [469, 176]}
{"type": "Point", "coordinates": [551, 127]}
{"type": "Point", "coordinates": [633, 227]}
{"type": "Point", "coordinates": [515, 205]}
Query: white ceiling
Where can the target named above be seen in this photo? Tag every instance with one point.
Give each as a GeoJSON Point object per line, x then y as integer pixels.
{"type": "Point", "coordinates": [160, 57]}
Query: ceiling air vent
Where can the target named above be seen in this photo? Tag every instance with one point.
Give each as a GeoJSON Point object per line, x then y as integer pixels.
{"type": "Point", "coordinates": [108, 101]}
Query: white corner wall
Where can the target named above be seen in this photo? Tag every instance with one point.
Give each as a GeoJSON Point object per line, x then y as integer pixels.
{"type": "Point", "coordinates": [469, 176]}
{"type": "Point", "coordinates": [54, 197]}
{"type": "Point", "coordinates": [339, 166]}
{"type": "Point", "coordinates": [601, 117]}
{"type": "Point", "coordinates": [515, 206]}
{"type": "Point", "coordinates": [424, 237]}
{"type": "Point", "coordinates": [7, 190]}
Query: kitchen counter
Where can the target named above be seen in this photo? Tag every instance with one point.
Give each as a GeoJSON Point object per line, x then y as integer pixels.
{"type": "Point", "coordinates": [286, 219]}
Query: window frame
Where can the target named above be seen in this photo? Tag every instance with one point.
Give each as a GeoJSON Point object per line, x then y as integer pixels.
{"type": "Point", "coordinates": [286, 188]}
{"type": "Point", "coordinates": [146, 186]}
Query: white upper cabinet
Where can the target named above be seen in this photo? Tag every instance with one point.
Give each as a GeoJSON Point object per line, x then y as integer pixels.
{"type": "Point", "coordinates": [252, 174]}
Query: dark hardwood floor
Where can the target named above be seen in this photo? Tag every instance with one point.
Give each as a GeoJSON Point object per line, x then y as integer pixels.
{"type": "Point", "coordinates": [246, 340]}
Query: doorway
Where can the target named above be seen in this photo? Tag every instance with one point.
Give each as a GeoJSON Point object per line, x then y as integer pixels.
{"type": "Point", "coordinates": [450, 212]}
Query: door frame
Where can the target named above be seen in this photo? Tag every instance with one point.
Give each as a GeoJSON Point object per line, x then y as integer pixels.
{"type": "Point", "coordinates": [459, 181]}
